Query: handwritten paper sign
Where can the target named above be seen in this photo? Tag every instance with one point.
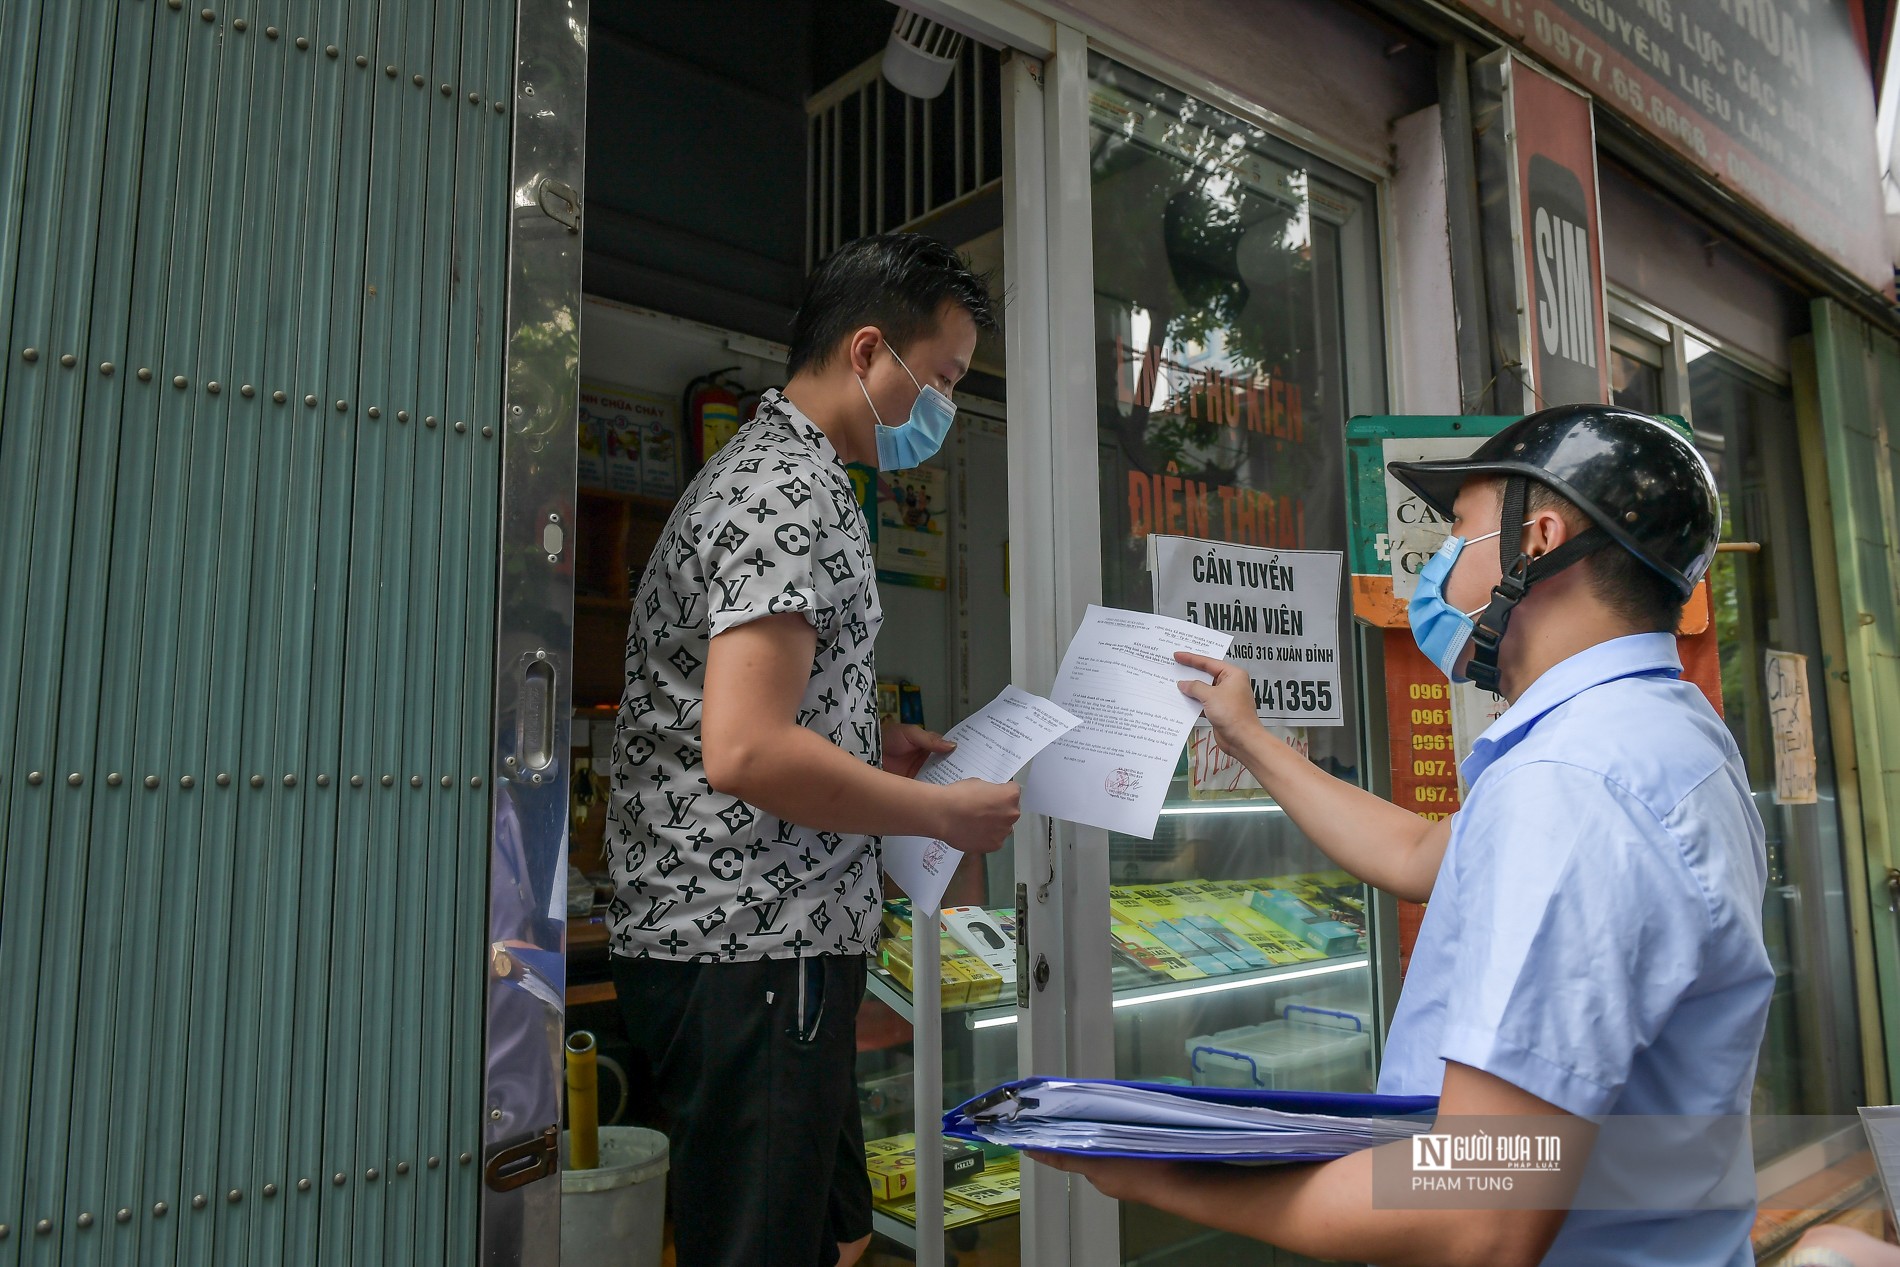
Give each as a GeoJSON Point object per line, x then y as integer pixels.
{"type": "Point", "coordinates": [1214, 775]}
{"type": "Point", "coordinates": [1791, 727]}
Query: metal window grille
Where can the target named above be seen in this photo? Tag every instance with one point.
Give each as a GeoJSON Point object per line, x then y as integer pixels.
{"type": "Point", "coordinates": [877, 160]}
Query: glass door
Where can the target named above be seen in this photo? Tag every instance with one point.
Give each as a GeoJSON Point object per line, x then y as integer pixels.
{"type": "Point", "coordinates": [1236, 328]}
{"type": "Point", "coordinates": [1765, 608]}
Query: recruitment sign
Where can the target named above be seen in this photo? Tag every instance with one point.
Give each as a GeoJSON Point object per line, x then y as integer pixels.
{"type": "Point", "coordinates": [1281, 606]}
{"type": "Point", "coordinates": [1771, 98]}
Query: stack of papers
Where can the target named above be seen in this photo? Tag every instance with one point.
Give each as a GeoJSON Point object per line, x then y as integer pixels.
{"type": "Point", "coordinates": [1882, 1124]}
{"type": "Point", "coordinates": [1135, 1119]}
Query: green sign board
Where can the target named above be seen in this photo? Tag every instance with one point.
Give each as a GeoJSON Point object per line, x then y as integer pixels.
{"type": "Point", "coordinates": [1412, 437]}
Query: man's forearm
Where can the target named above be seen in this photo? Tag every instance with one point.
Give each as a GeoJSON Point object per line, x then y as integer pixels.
{"type": "Point", "coordinates": [798, 775]}
{"type": "Point", "coordinates": [1323, 1211]}
{"type": "Point", "coordinates": [1385, 846]}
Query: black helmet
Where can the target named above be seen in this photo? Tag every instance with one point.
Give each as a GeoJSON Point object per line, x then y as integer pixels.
{"type": "Point", "coordinates": [1635, 476]}
{"type": "Point", "coordinates": [1643, 486]}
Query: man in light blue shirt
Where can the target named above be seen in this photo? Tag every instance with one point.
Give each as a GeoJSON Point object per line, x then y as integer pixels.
{"type": "Point", "coordinates": [1591, 963]}
{"type": "Point", "coordinates": [1594, 936]}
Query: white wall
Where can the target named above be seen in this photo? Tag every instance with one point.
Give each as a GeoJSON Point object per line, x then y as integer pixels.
{"type": "Point", "coordinates": [1425, 320]}
{"type": "Point", "coordinates": [1326, 68]}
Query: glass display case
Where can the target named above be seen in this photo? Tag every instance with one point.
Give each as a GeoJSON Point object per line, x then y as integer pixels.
{"type": "Point", "coordinates": [1236, 328]}
{"type": "Point", "coordinates": [970, 1048]}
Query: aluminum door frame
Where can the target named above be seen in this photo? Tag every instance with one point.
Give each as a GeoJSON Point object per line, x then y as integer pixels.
{"type": "Point", "coordinates": [1055, 572]}
{"type": "Point", "coordinates": [525, 970]}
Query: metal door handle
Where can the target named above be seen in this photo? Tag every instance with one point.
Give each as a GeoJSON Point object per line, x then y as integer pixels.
{"type": "Point", "coordinates": [535, 714]}
{"type": "Point", "coordinates": [521, 1164]}
{"type": "Point", "coordinates": [561, 204]}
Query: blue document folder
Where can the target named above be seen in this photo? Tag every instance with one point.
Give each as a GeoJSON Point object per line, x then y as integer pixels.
{"type": "Point", "coordinates": [1098, 1118]}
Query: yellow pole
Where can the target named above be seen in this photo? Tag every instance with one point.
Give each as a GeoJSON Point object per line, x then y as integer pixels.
{"type": "Point", "coordinates": [583, 1103]}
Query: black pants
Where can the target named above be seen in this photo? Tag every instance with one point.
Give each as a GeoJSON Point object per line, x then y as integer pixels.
{"type": "Point", "coordinates": [753, 1070]}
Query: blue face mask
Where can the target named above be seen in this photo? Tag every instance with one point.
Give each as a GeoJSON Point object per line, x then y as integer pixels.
{"type": "Point", "coordinates": [913, 443]}
{"type": "Point", "coordinates": [1440, 629]}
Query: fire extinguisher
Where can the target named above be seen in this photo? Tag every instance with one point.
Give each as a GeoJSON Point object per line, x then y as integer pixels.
{"type": "Point", "coordinates": [749, 406]}
{"type": "Point", "coordinates": [711, 411]}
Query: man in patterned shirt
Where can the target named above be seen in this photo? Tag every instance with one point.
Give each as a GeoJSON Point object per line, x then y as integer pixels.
{"type": "Point", "coordinates": [751, 779]}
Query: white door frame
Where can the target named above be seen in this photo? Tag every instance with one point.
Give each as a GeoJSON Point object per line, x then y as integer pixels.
{"type": "Point", "coordinates": [1055, 572]}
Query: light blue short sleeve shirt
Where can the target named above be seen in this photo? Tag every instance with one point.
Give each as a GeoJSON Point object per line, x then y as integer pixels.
{"type": "Point", "coordinates": [1594, 935]}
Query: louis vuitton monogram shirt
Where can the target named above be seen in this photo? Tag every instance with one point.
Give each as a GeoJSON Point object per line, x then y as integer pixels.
{"type": "Point", "coordinates": [771, 524]}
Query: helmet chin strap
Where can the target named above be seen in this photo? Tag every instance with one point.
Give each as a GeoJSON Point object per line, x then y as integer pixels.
{"type": "Point", "coordinates": [1521, 571]}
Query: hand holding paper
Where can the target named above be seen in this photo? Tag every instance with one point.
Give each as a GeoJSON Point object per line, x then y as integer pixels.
{"type": "Point", "coordinates": [991, 746]}
{"type": "Point", "coordinates": [1120, 677]}
{"type": "Point", "coordinates": [977, 815]}
{"type": "Point", "coordinates": [907, 747]}
{"type": "Point", "coordinates": [1227, 702]}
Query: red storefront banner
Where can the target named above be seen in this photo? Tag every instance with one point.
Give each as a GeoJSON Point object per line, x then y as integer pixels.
{"type": "Point", "coordinates": [1772, 99]}
{"type": "Point", "coordinates": [1543, 241]}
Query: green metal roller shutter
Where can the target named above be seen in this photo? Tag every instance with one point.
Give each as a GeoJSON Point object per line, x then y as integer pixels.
{"type": "Point", "coordinates": [251, 305]}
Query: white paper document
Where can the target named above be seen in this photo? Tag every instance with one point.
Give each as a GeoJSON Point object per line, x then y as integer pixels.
{"type": "Point", "coordinates": [1119, 676]}
{"type": "Point", "coordinates": [992, 744]}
